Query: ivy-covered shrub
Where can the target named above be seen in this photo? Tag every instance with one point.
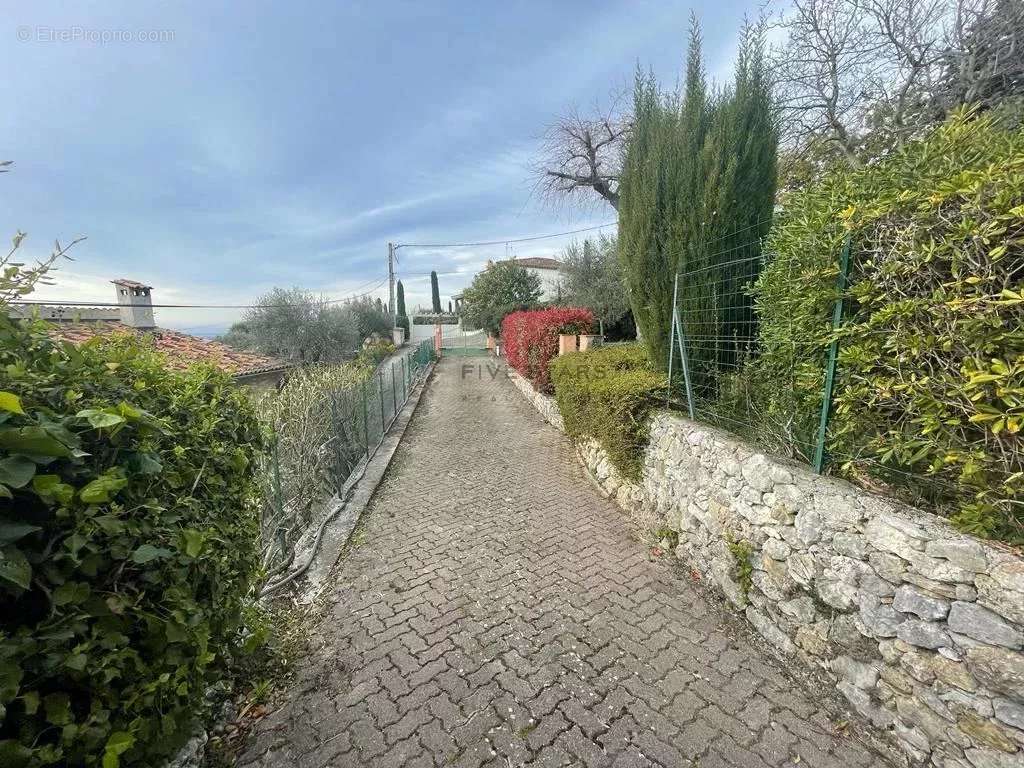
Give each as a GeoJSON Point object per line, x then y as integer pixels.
{"type": "Point", "coordinates": [930, 390]}
{"type": "Point", "coordinates": [530, 339]}
{"type": "Point", "coordinates": [607, 394]}
{"type": "Point", "coordinates": [128, 540]}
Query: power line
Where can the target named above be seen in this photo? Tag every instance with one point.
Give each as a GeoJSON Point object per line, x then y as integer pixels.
{"type": "Point", "coordinates": [103, 305]}
{"type": "Point", "coordinates": [504, 242]}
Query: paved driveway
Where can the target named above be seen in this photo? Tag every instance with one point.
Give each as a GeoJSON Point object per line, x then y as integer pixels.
{"type": "Point", "coordinates": [499, 612]}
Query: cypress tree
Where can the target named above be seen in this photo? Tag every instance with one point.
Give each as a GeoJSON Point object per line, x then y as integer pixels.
{"type": "Point", "coordinates": [402, 321]}
{"type": "Point", "coordinates": [698, 179]}
{"type": "Point", "coordinates": [435, 292]}
{"type": "Point", "coordinates": [740, 168]}
{"type": "Point", "coordinates": [660, 193]}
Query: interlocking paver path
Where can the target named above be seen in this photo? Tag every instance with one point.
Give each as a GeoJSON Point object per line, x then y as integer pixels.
{"type": "Point", "coordinates": [499, 612]}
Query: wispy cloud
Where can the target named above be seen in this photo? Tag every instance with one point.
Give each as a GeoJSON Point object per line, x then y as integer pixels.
{"type": "Point", "coordinates": [226, 161]}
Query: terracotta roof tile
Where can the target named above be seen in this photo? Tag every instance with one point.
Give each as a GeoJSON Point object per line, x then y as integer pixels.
{"type": "Point", "coordinates": [181, 349]}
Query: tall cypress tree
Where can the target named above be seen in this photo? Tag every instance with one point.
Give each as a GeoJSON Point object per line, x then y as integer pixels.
{"type": "Point", "coordinates": [741, 175]}
{"type": "Point", "coordinates": [435, 292]}
{"type": "Point", "coordinates": [699, 175]}
{"type": "Point", "coordinates": [660, 192]}
{"type": "Point", "coordinates": [401, 321]}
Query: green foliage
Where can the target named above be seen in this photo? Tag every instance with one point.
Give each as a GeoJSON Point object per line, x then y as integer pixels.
{"type": "Point", "coordinates": [742, 569]}
{"type": "Point", "coordinates": [127, 545]}
{"type": "Point", "coordinates": [504, 287]}
{"type": "Point", "coordinates": [317, 421]}
{"type": "Point", "coordinates": [666, 537]}
{"type": "Point", "coordinates": [374, 352]}
{"type": "Point", "coordinates": [301, 327]}
{"type": "Point", "coordinates": [435, 294]}
{"type": "Point", "coordinates": [401, 319]}
{"type": "Point", "coordinates": [369, 317]}
{"type": "Point", "coordinates": [593, 279]}
{"type": "Point", "coordinates": [930, 390]}
{"type": "Point", "coordinates": [699, 171]}
{"type": "Point", "coordinates": [400, 298]}
{"type": "Point", "coordinates": [607, 394]}
{"type": "Point", "coordinates": [321, 428]}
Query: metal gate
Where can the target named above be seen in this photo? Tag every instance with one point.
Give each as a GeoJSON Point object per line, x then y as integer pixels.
{"type": "Point", "coordinates": [455, 340]}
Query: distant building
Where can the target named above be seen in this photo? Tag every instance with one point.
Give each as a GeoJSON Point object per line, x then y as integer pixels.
{"type": "Point", "coordinates": [550, 273]}
{"type": "Point", "coordinates": [134, 314]}
{"type": "Point", "coordinates": [547, 269]}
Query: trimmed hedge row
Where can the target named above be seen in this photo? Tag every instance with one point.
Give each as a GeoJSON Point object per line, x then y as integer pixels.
{"type": "Point", "coordinates": [930, 389]}
{"type": "Point", "coordinates": [607, 394]}
{"type": "Point", "coordinates": [530, 339]}
{"type": "Point", "coordinates": [128, 542]}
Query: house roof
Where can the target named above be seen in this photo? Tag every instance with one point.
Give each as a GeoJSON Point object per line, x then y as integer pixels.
{"type": "Point", "coordinates": [130, 283]}
{"type": "Point", "coordinates": [181, 349]}
{"type": "Point", "coordinates": [539, 262]}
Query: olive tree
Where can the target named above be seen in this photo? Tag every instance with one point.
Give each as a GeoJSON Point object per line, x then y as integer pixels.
{"type": "Point", "coordinates": [592, 278]}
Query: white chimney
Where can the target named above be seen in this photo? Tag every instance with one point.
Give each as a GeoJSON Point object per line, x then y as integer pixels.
{"type": "Point", "coordinates": [135, 303]}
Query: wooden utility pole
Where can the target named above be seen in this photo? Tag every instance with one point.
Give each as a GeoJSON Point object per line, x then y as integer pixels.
{"type": "Point", "coordinates": [391, 283]}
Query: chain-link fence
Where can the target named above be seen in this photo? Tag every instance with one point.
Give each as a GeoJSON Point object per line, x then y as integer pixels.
{"type": "Point", "coordinates": [822, 359]}
{"type": "Point", "coordinates": [329, 422]}
{"type": "Point", "coordinates": [771, 384]}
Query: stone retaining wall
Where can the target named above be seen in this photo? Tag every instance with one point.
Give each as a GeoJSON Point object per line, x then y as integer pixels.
{"type": "Point", "coordinates": [543, 403]}
{"type": "Point", "coordinates": [922, 627]}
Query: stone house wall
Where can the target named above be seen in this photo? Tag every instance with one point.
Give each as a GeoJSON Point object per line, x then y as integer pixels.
{"type": "Point", "coordinates": [921, 627]}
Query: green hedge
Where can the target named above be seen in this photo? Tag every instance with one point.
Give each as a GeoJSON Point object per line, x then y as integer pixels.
{"type": "Point", "coordinates": [607, 394]}
{"type": "Point", "coordinates": [128, 540]}
{"type": "Point", "coordinates": [930, 390]}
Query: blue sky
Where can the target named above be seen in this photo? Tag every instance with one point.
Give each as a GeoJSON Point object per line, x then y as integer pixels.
{"type": "Point", "coordinates": [267, 143]}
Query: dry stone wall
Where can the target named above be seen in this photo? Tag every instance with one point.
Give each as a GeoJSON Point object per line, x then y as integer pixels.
{"type": "Point", "coordinates": [921, 627]}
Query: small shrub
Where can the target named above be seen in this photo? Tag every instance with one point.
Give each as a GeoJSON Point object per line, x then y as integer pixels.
{"type": "Point", "coordinates": [607, 394]}
{"type": "Point", "coordinates": [530, 339]}
{"type": "Point", "coordinates": [127, 546]}
{"type": "Point", "coordinates": [742, 570]}
{"type": "Point", "coordinates": [374, 351]}
{"type": "Point", "coordinates": [320, 431]}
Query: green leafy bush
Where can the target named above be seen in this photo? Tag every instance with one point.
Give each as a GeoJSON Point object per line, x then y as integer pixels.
{"type": "Point", "coordinates": [317, 421]}
{"type": "Point", "coordinates": [607, 394]}
{"type": "Point", "coordinates": [502, 288]}
{"type": "Point", "coordinates": [128, 541]}
{"type": "Point", "coordinates": [930, 388]}
{"type": "Point", "coordinates": [374, 351]}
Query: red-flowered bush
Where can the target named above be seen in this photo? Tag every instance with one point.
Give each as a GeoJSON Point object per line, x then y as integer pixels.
{"type": "Point", "coordinates": [530, 339]}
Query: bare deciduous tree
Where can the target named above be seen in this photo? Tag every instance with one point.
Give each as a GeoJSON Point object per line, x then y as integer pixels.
{"type": "Point", "coordinates": [863, 76]}
{"type": "Point", "coordinates": [580, 154]}
{"type": "Point", "coordinates": [986, 63]}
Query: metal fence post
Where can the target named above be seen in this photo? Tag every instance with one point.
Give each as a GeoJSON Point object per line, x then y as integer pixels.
{"type": "Point", "coordinates": [833, 353]}
{"type": "Point", "coordinates": [394, 393]}
{"type": "Point", "coordinates": [380, 391]}
{"type": "Point", "coordinates": [337, 441]}
{"type": "Point", "coordinates": [366, 422]}
{"type": "Point", "coordinates": [405, 382]}
{"type": "Point", "coordinates": [275, 457]}
{"type": "Point", "coordinates": [684, 359]}
{"type": "Point", "coordinates": [672, 339]}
